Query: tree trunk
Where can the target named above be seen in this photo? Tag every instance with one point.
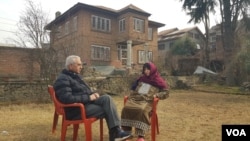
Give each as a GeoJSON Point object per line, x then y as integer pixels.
{"type": "Point", "coordinates": [228, 40]}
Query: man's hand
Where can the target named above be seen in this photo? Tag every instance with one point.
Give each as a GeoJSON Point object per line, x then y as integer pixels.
{"type": "Point", "coordinates": [94, 96]}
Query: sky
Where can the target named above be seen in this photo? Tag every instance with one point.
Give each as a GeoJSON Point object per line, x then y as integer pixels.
{"type": "Point", "coordinates": [168, 12]}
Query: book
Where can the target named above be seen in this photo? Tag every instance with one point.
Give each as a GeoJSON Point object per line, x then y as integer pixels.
{"type": "Point", "coordinates": [144, 89]}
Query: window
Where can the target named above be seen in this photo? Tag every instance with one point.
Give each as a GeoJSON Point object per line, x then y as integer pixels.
{"type": "Point", "coordinates": [212, 38]}
{"type": "Point", "coordinates": [248, 11]}
{"type": "Point", "coordinates": [122, 54]}
{"type": "Point", "coordinates": [100, 53]}
{"type": "Point", "coordinates": [196, 36]}
{"type": "Point", "coordinates": [198, 46]}
{"type": "Point", "coordinates": [100, 23]}
{"type": "Point", "coordinates": [150, 56]}
{"type": "Point", "coordinates": [139, 25]}
{"type": "Point", "coordinates": [150, 34]}
{"type": "Point", "coordinates": [143, 57]}
{"type": "Point", "coordinates": [122, 25]}
{"type": "Point", "coordinates": [108, 25]}
{"type": "Point", "coordinates": [66, 28]}
{"type": "Point", "coordinates": [75, 23]}
{"type": "Point", "coordinates": [161, 47]}
{"type": "Point", "coordinates": [171, 44]}
{"type": "Point", "coordinates": [213, 47]}
{"type": "Point", "coordinates": [59, 32]}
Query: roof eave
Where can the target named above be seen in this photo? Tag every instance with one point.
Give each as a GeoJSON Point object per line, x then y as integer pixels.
{"type": "Point", "coordinates": [157, 24]}
{"type": "Point", "coordinates": [77, 7]}
{"type": "Point", "coordinates": [134, 11]}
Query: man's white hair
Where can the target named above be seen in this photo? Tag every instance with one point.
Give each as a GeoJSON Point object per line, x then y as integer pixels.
{"type": "Point", "coordinates": [71, 60]}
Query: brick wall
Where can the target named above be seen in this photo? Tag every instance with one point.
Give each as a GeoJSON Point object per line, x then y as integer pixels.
{"type": "Point", "coordinates": [25, 92]}
{"type": "Point", "coordinates": [17, 63]}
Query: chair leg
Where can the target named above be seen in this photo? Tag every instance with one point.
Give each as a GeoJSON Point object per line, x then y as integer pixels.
{"type": "Point", "coordinates": [55, 122]}
{"type": "Point", "coordinates": [157, 125]}
{"type": "Point", "coordinates": [153, 125]}
{"type": "Point", "coordinates": [88, 131]}
{"type": "Point", "coordinates": [75, 131]}
{"type": "Point", "coordinates": [63, 131]}
{"type": "Point", "coordinates": [101, 129]}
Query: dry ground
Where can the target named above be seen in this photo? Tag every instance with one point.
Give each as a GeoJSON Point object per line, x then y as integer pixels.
{"type": "Point", "coordinates": [184, 116]}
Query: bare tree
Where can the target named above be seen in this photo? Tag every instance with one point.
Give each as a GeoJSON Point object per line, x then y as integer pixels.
{"type": "Point", "coordinates": [31, 24]}
{"type": "Point", "coordinates": [31, 33]}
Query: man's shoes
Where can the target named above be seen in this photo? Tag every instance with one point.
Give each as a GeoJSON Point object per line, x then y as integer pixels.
{"type": "Point", "coordinates": [140, 139]}
{"type": "Point", "coordinates": [119, 135]}
{"type": "Point", "coordinates": [122, 135]}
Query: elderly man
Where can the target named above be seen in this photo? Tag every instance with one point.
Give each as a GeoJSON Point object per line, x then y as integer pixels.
{"type": "Point", "coordinates": [70, 88]}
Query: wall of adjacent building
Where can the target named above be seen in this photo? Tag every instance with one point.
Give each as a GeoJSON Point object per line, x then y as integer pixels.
{"type": "Point", "coordinates": [17, 63]}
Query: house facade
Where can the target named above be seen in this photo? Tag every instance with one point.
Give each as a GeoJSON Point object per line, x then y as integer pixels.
{"type": "Point", "coordinates": [217, 53]}
{"type": "Point", "coordinates": [216, 50]}
{"type": "Point", "coordinates": [187, 64]}
{"type": "Point", "coordinates": [105, 37]}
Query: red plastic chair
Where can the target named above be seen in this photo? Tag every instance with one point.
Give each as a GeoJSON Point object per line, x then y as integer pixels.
{"type": "Point", "coordinates": [59, 110]}
{"type": "Point", "coordinates": [154, 118]}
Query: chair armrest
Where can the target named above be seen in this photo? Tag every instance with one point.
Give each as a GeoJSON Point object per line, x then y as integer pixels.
{"type": "Point", "coordinates": [125, 99]}
{"type": "Point", "coordinates": [155, 102]}
{"type": "Point", "coordinates": [80, 105]}
{"type": "Point", "coordinates": [73, 105]}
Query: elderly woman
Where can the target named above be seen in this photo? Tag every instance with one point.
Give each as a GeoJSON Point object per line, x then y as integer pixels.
{"type": "Point", "coordinates": [136, 112]}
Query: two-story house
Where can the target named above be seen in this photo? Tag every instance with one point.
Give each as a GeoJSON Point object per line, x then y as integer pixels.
{"type": "Point", "coordinates": [186, 64]}
{"type": "Point", "coordinates": [216, 50]}
{"type": "Point", "coordinates": [103, 36]}
{"type": "Point", "coordinates": [217, 53]}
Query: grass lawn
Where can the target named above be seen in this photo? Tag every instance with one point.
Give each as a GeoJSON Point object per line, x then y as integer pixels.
{"type": "Point", "coordinates": [185, 116]}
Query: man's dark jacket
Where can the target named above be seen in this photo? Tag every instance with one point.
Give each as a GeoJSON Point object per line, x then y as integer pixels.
{"type": "Point", "coordinates": [70, 88]}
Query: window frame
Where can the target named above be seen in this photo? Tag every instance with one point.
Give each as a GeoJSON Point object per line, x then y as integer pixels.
{"type": "Point", "coordinates": [122, 54]}
{"type": "Point", "coordinates": [139, 25]}
{"type": "Point", "coordinates": [122, 25]}
{"type": "Point", "coordinates": [150, 33]}
{"type": "Point", "coordinates": [161, 46]}
{"type": "Point", "coordinates": [66, 28]}
{"type": "Point", "coordinates": [100, 23]}
{"type": "Point", "coordinates": [59, 32]}
{"type": "Point", "coordinates": [101, 53]}
{"type": "Point", "coordinates": [75, 20]}
{"type": "Point", "coordinates": [141, 56]}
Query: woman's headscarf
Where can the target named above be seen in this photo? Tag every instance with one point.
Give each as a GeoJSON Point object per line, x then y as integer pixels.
{"type": "Point", "coordinates": [154, 77]}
